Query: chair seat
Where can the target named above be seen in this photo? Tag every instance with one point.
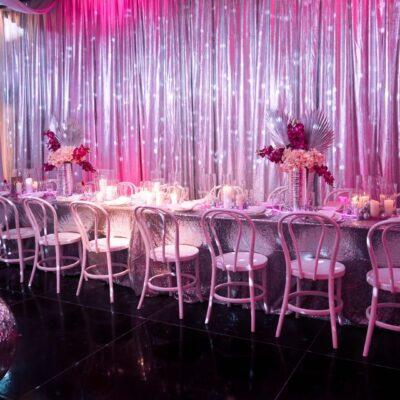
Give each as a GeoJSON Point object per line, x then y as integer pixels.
{"type": "Point", "coordinates": [185, 253]}
{"type": "Point", "coordinates": [63, 238]}
{"type": "Point", "coordinates": [226, 261]}
{"type": "Point", "coordinates": [384, 279]}
{"type": "Point", "coordinates": [12, 234]}
{"type": "Point", "coordinates": [116, 244]}
{"type": "Point", "coordinates": [308, 266]}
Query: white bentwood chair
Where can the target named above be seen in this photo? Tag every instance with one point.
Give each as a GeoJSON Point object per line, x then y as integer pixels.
{"type": "Point", "coordinates": [108, 243]}
{"type": "Point", "coordinates": [313, 267]}
{"type": "Point", "coordinates": [333, 195]}
{"type": "Point", "coordinates": [44, 220]}
{"type": "Point", "coordinates": [235, 261]}
{"type": "Point", "coordinates": [152, 222]}
{"type": "Point", "coordinates": [10, 216]}
{"type": "Point", "coordinates": [126, 189]}
{"type": "Point", "coordinates": [384, 275]}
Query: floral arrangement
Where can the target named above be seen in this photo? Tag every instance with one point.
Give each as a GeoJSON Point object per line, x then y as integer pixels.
{"type": "Point", "coordinates": [60, 155]}
{"type": "Point", "coordinates": [299, 147]}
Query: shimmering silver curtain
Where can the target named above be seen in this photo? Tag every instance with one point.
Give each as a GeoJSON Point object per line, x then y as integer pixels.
{"type": "Point", "coordinates": [179, 88]}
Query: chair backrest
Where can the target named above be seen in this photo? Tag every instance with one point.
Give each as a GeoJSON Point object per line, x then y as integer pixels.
{"type": "Point", "coordinates": [43, 218]}
{"type": "Point", "coordinates": [319, 220]}
{"type": "Point", "coordinates": [126, 189]}
{"type": "Point", "coordinates": [277, 193]}
{"type": "Point", "coordinates": [51, 185]}
{"type": "Point", "coordinates": [390, 249]}
{"type": "Point", "coordinates": [98, 216]}
{"type": "Point", "coordinates": [332, 196]}
{"type": "Point", "coordinates": [9, 214]}
{"type": "Point", "coordinates": [208, 224]}
{"type": "Point", "coordinates": [156, 226]}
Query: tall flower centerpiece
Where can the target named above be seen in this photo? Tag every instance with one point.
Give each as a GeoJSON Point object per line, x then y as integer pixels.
{"type": "Point", "coordinates": [62, 158]}
{"type": "Point", "coordinates": [299, 151]}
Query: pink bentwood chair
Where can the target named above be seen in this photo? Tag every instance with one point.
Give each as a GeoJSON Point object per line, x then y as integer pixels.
{"type": "Point", "coordinates": [384, 275]}
{"type": "Point", "coordinates": [312, 267]}
{"type": "Point", "coordinates": [152, 222]}
{"type": "Point", "coordinates": [234, 261]}
{"type": "Point", "coordinates": [43, 218]}
{"type": "Point", "coordinates": [107, 244]}
{"type": "Point", "coordinates": [10, 215]}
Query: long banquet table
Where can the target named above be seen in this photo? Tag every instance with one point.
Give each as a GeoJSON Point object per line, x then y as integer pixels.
{"type": "Point", "coordinates": [353, 253]}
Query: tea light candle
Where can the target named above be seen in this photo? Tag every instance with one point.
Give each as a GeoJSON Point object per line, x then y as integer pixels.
{"type": "Point", "coordinates": [35, 185]}
{"type": "Point", "coordinates": [18, 187]}
{"type": "Point", "coordinates": [28, 185]}
{"type": "Point", "coordinates": [388, 207]}
{"type": "Point", "coordinates": [174, 198]}
{"type": "Point", "coordinates": [103, 185]}
{"type": "Point", "coordinates": [374, 208]}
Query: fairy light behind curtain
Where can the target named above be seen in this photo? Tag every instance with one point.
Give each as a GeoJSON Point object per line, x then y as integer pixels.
{"type": "Point", "coordinates": [180, 88]}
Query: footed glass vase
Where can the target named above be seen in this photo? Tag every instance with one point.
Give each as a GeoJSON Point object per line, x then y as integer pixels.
{"type": "Point", "coordinates": [65, 180]}
{"type": "Point", "coordinates": [297, 189]}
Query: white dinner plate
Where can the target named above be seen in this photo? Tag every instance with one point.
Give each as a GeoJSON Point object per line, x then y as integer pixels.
{"type": "Point", "coordinates": [254, 211]}
{"type": "Point", "coordinates": [33, 194]}
{"type": "Point", "coordinates": [4, 193]}
{"type": "Point", "coordinates": [120, 201]}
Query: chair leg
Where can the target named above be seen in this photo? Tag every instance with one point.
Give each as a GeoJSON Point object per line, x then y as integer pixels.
{"type": "Point", "coordinates": [252, 301]}
{"type": "Point", "coordinates": [332, 312]}
{"type": "Point", "coordinates": [35, 261]}
{"type": "Point", "coordinates": [179, 285]}
{"type": "Point", "coordinates": [371, 322]}
{"type": "Point", "coordinates": [211, 296]}
{"type": "Point", "coordinates": [298, 300]}
{"type": "Point", "coordinates": [284, 306]}
{"type": "Point", "coordinates": [169, 270]}
{"type": "Point", "coordinates": [145, 283]}
{"type": "Point", "coordinates": [265, 287]}
{"type": "Point", "coordinates": [82, 256]}
{"type": "Point", "coordinates": [58, 268]}
{"type": "Point", "coordinates": [21, 261]}
{"type": "Point", "coordinates": [228, 275]}
{"type": "Point", "coordinates": [110, 277]}
{"type": "Point", "coordinates": [339, 296]}
{"type": "Point", "coordinates": [197, 275]}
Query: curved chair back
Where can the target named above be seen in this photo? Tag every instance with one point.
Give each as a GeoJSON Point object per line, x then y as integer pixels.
{"type": "Point", "coordinates": [51, 184]}
{"type": "Point", "coordinates": [126, 189]}
{"type": "Point", "coordinates": [389, 248]}
{"type": "Point", "coordinates": [320, 221]}
{"type": "Point", "coordinates": [43, 218]}
{"type": "Point", "coordinates": [332, 196]}
{"type": "Point", "coordinates": [98, 216]}
{"type": "Point", "coordinates": [9, 215]}
{"type": "Point", "coordinates": [208, 224]}
{"type": "Point", "coordinates": [153, 226]}
{"type": "Point", "coordinates": [277, 193]}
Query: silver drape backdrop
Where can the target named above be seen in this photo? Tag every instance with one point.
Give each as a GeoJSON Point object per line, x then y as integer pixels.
{"type": "Point", "coordinates": [180, 88]}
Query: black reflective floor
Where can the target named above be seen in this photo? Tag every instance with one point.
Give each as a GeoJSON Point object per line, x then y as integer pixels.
{"type": "Point", "coordinates": [83, 348]}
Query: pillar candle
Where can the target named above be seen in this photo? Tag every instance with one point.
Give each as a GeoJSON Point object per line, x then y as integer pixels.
{"type": "Point", "coordinates": [35, 185]}
{"type": "Point", "coordinates": [28, 185]}
{"type": "Point", "coordinates": [388, 207]}
{"type": "Point", "coordinates": [18, 187]}
{"type": "Point", "coordinates": [103, 185]}
{"type": "Point", "coordinates": [374, 208]}
{"type": "Point", "coordinates": [174, 198]}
